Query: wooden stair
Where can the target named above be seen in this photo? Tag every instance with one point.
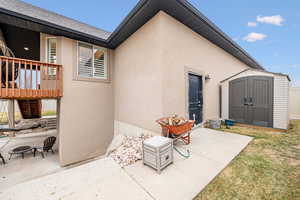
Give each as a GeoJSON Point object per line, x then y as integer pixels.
{"type": "Point", "coordinates": [30, 109]}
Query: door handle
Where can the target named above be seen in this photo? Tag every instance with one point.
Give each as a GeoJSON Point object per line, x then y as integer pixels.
{"type": "Point", "coordinates": [245, 101]}
{"type": "Point", "coordinates": [250, 101]}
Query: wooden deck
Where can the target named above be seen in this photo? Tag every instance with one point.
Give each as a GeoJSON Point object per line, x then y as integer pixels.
{"type": "Point", "coordinates": [29, 79]}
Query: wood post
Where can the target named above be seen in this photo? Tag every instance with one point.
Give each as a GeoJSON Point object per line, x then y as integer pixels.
{"type": "Point", "coordinates": [11, 113]}
{"type": "Point", "coordinates": [58, 117]}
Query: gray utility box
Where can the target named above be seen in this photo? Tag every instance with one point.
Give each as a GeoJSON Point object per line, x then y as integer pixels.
{"type": "Point", "coordinates": [158, 152]}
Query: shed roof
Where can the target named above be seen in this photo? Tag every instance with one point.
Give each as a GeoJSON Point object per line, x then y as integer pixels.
{"type": "Point", "coordinates": [24, 15]}
{"type": "Point", "coordinates": [263, 71]}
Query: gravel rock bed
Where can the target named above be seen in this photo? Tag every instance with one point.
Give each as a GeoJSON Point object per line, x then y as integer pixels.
{"type": "Point", "coordinates": [129, 151]}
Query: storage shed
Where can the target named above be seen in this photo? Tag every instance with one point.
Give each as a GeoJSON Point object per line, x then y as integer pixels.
{"type": "Point", "coordinates": [256, 97]}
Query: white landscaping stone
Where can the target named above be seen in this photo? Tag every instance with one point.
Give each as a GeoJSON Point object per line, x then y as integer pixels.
{"type": "Point", "coordinates": [129, 150]}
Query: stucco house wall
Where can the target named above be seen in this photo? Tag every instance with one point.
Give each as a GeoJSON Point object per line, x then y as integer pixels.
{"type": "Point", "coordinates": [138, 78]}
{"type": "Point", "coordinates": [150, 72]}
{"type": "Point", "coordinates": [85, 112]}
{"type": "Point", "coordinates": [184, 50]}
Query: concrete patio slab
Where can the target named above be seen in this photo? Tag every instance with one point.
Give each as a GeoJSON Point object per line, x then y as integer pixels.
{"type": "Point", "coordinates": [211, 151]}
{"type": "Point", "coordinates": [18, 170]}
{"type": "Point", "coordinates": [101, 179]}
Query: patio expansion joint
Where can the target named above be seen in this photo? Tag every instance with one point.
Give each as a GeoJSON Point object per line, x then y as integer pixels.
{"type": "Point", "coordinates": [207, 157]}
{"type": "Point", "coordinates": [140, 185]}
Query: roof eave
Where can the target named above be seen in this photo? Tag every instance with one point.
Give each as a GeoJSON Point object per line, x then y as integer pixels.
{"type": "Point", "coordinates": [60, 29]}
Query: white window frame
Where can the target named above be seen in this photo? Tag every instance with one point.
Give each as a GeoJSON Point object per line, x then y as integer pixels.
{"type": "Point", "coordinates": [47, 55]}
{"type": "Point", "coordinates": [106, 70]}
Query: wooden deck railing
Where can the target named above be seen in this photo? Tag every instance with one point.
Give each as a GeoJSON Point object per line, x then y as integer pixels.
{"type": "Point", "coordinates": [29, 79]}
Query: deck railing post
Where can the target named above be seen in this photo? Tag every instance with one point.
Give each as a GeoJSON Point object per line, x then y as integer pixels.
{"type": "Point", "coordinates": [19, 73]}
{"type": "Point", "coordinates": [6, 76]}
{"type": "Point", "coordinates": [56, 80]}
{"type": "Point", "coordinates": [36, 80]}
{"type": "Point", "coordinates": [31, 79]}
{"type": "Point", "coordinates": [25, 77]}
{"type": "Point", "coordinates": [13, 78]}
{"type": "Point", "coordinates": [61, 81]}
{"type": "Point", "coordinates": [1, 76]}
{"type": "Point", "coordinates": [47, 80]}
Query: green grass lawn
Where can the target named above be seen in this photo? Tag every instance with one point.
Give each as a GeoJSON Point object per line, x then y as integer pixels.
{"type": "Point", "coordinates": [268, 168]}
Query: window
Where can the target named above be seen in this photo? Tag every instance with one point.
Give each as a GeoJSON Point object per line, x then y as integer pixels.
{"type": "Point", "coordinates": [92, 61]}
{"type": "Point", "coordinates": [51, 54]}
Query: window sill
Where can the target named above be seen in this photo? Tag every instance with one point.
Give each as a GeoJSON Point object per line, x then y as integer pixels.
{"type": "Point", "coordinates": [91, 79]}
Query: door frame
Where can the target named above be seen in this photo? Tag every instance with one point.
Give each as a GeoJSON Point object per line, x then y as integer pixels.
{"type": "Point", "coordinates": [187, 71]}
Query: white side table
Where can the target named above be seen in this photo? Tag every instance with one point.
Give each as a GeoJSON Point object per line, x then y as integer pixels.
{"type": "Point", "coordinates": [158, 152]}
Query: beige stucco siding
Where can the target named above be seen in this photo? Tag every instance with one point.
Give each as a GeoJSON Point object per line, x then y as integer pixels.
{"type": "Point", "coordinates": [138, 77]}
{"type": "Point", "coordinates": [86, 111]}
{"type": "Point", "coordinates": [184, 48]}
{"type": "Point", "coordinates": [150, 72]}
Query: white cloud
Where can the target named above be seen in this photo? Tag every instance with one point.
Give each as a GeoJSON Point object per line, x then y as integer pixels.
{"type": "Point", "coordinates": [253, 37]}
{"type": "Point", "coordinates": [252, 24]}
{"type": "Point", "coordinates": [275, 20]}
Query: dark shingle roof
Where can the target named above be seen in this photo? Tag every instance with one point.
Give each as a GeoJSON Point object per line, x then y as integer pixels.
{"type": "Point", "coordinates": [51, 17]}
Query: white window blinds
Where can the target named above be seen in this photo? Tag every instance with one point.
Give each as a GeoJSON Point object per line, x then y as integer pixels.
{"type": "Point", "coordinates": [92, 61]}
{"type": "Point", "coordinates": [85, 61]}
{"type": "Point", "coordinates": [51, 54]}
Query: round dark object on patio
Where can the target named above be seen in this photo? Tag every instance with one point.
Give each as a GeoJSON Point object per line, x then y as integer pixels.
{"type": "Point", "coordinates": [20, 150]}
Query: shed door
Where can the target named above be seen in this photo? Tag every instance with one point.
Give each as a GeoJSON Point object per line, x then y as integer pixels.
{"type": "Point", "coordinates": [251, 100]}
{"type": "Point", "coordinates": [195, 98]}
{"type": "Point", "coordinates": [237, 94]}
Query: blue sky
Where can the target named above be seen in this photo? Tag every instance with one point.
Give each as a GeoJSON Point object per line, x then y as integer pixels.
{"type": "Point", "coordinates": [273, 32]}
